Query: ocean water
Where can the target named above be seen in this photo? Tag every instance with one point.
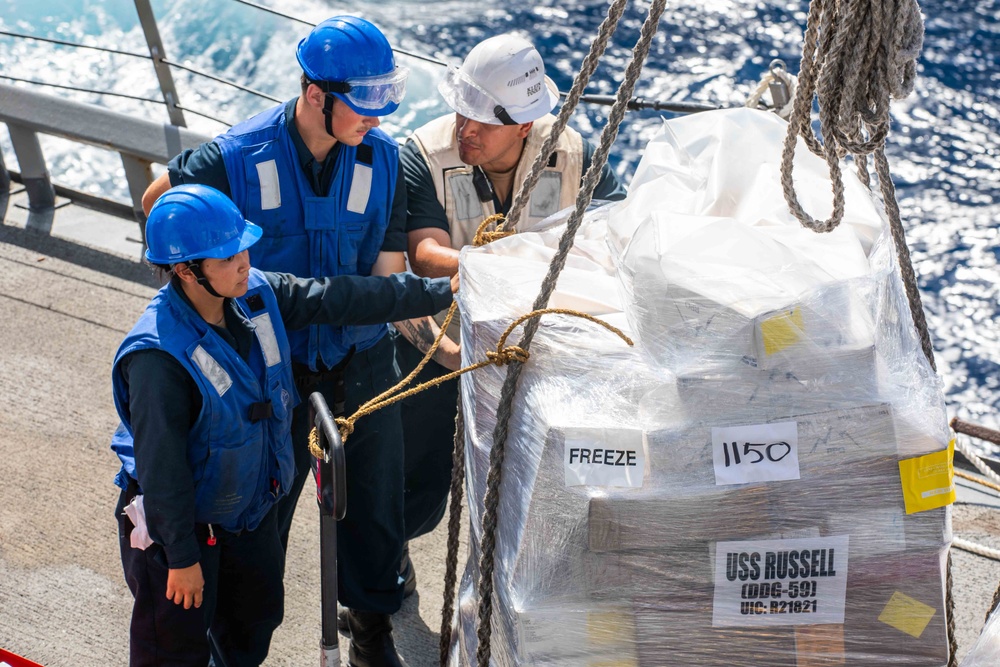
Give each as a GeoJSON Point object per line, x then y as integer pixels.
{"type": "Point", "coordinates": [943, 149]}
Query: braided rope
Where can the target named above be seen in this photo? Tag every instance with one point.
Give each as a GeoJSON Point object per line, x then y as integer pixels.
{"type": "Point", "coordinates": [903, 255]}
{"type": "Point", "coordinates": [314, 447]}
{"type": "Point", "coordinates": [978, 549]}
{"type": "Point", "coordinates": [503, 355]}
{"type": "Point", "coordinates": [977, 461]}
{"type": "Point", "coordinates": [981, 482]}
{"type": "Point", "coordinates": [994, 604]}
{"type": "Point", "coordinates": [949, 608]}
{"type": "Point", "coordinates": [483, 237]}
{"type": "Point", "coordinates": [608, 135]}
{"type": "Point", "coordinates": [590, 62]}
{"type": "Point", "coordinates": [856, 56]}
{"type": "Point", "coordinates": [454, 525]}
{"type": "Point", "coordinates": [975, 430]}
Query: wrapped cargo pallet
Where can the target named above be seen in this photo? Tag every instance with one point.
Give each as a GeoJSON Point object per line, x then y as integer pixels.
{"type": "Point", "coordinates": [763, 479]}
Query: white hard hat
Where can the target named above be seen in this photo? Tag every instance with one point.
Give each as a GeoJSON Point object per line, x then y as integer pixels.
{"type": "Point", "coordinates": [501, 82]}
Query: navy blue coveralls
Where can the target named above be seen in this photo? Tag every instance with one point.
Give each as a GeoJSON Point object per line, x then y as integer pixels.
{"type": "Point", "coordinates": [329, 218]}
{"type": "Point", "coordinates": [181, 384]}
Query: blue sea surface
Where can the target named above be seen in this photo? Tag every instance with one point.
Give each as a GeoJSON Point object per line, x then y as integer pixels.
{"type": "Point", "coordinates": [943, 148]}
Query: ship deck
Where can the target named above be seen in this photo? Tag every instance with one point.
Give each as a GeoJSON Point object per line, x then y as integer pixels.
{"type": "Point", "coordinates": [71, 285]}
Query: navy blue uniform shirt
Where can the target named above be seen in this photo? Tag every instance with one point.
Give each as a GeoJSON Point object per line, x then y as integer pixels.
{"type": "Point", "coordinates": [165, 400]}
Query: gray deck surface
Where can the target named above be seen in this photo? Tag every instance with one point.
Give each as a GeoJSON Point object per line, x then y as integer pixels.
{"type": "Point", "coordinates": [71, 287]}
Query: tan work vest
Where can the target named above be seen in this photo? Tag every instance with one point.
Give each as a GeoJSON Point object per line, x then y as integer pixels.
{"type": "Point", "coordinates": [556, 189]}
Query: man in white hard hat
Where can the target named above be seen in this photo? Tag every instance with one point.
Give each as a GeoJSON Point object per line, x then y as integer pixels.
{"type": "Point", "coordinates": [459, 169]}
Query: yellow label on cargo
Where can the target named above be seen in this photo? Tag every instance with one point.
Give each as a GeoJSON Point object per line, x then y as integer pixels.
{"type": "Point", "coordinates": [906, 614]}
{"type": "Point", "coordinates": [609, 628]}
{"type": "Point", "coordinates": [928, 481]}
{"type": "Point", "coordinates": [617, 662]}
{"type": "Point", "coordinates": [819, 645]}
{"type": "Point", "coordinates": [781, 331]}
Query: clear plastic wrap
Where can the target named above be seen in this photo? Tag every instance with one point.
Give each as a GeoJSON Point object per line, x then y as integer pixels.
{"type": "Point", "coordinates": [764, 476]}
{"type": "Point", "coordinates": [986, 651]}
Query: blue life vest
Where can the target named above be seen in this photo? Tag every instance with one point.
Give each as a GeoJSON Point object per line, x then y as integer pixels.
{"type": "Point", "coordinates": [309, 236]}
{"type": "Point", "coordinates": [240, 466]}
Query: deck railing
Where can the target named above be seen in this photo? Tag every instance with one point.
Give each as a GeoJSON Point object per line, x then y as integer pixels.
{"type": "Point", "coordinates": [27, 112]}
{"type": "Point", "coordinates": [140, 142]}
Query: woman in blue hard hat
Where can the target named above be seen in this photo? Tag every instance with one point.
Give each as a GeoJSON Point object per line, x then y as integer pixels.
{"type": "Point", "coordinates": [203, 385]}
{"type": "Point", "coordinates": [323, 181]}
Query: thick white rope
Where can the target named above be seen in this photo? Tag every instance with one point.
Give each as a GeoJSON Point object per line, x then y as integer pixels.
{"type": "Point", "coordinates": [977, 461]}
{"type": "Point", "coordinates": [775, 75]}
{"type": "Point", "coordinates": [977, 549]}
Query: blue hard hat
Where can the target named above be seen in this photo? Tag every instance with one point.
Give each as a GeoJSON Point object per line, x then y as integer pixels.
{"type": "Point", "coordinates": [351, 51]}
{"type": "Point", "coordinates": [194, 222]}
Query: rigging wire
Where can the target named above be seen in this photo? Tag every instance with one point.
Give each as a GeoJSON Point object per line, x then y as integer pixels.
{"type": "Point", "coordinates": [275, 12]}
{"type": "Point", "coordinates": [82, 90]}
{"type": "Point", "coordinates": [203, 115]}
{"type": "Point", "coordinates": [82, 46]}
{"type": "Point", "coordinates": [634, 104]}
{"type": "Point", "coordinates": [311, 24]}
{"type": "Point", "coordinates": [114, 94]}
{"type": "Point", "coordinates": [195, 70]}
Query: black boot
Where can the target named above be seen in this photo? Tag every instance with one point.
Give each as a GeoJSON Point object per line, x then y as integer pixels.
{"type": "Point", "coordinates": [371, 641]}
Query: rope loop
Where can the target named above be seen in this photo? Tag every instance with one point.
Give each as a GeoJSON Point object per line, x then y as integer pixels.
{"type": "Point", "coordinates": [507, 355]}
{"type": "Point", "coordinates": [483, 237]}
{"type": "Point", "coordinates": [314, 448]}
{"type": "Point", "coordinates": [556, 311]}
{"type": "Point", "coordinates": [504, 355]}
{"type": "Point", "coordinates": [856, 56]}
{"type": "Point", "coordinates": [346, 426]}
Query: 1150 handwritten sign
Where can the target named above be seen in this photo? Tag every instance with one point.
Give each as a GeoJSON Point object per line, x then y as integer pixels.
{"type": "Point", "coordinates": [755, 453]}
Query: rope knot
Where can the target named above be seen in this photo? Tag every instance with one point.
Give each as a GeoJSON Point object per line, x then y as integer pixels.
{"type": "Point", "coordinates": [506, 355]}
{"type": "Point", "coordinates": [346, 427]}
{"type": "Point", "coordinates": [484, 237]}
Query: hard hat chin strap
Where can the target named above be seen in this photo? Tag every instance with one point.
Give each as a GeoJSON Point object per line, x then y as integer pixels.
{"type": "Point", "coordinates": [330, 87]}
{"type": "Point", "coordinates": [195, 267]}
{"type": "Point", "coordinates": [328, 113]}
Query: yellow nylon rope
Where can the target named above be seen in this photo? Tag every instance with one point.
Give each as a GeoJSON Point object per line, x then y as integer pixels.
{"type": "Point", "coordinates": [501, 356]}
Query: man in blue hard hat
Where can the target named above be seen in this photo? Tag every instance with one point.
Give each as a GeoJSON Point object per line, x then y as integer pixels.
{"type": "Point", "coordinates": [460, 169]}
{"type": "Point", "coordinates": [204, 387]}
{"type": "Point", "coordinates": [321, 180]}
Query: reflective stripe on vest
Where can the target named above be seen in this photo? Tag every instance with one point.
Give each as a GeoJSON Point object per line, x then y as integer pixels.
{"type": "Point", "coordinates": [236, 464]}
{"type": "Point", "coordinates": [340, 233]}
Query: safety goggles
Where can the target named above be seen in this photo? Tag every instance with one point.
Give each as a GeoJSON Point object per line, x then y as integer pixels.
{"type": "Point", "coordinates": [469, 100]}
{"type": "Point", "coordinates": [371, 92]}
